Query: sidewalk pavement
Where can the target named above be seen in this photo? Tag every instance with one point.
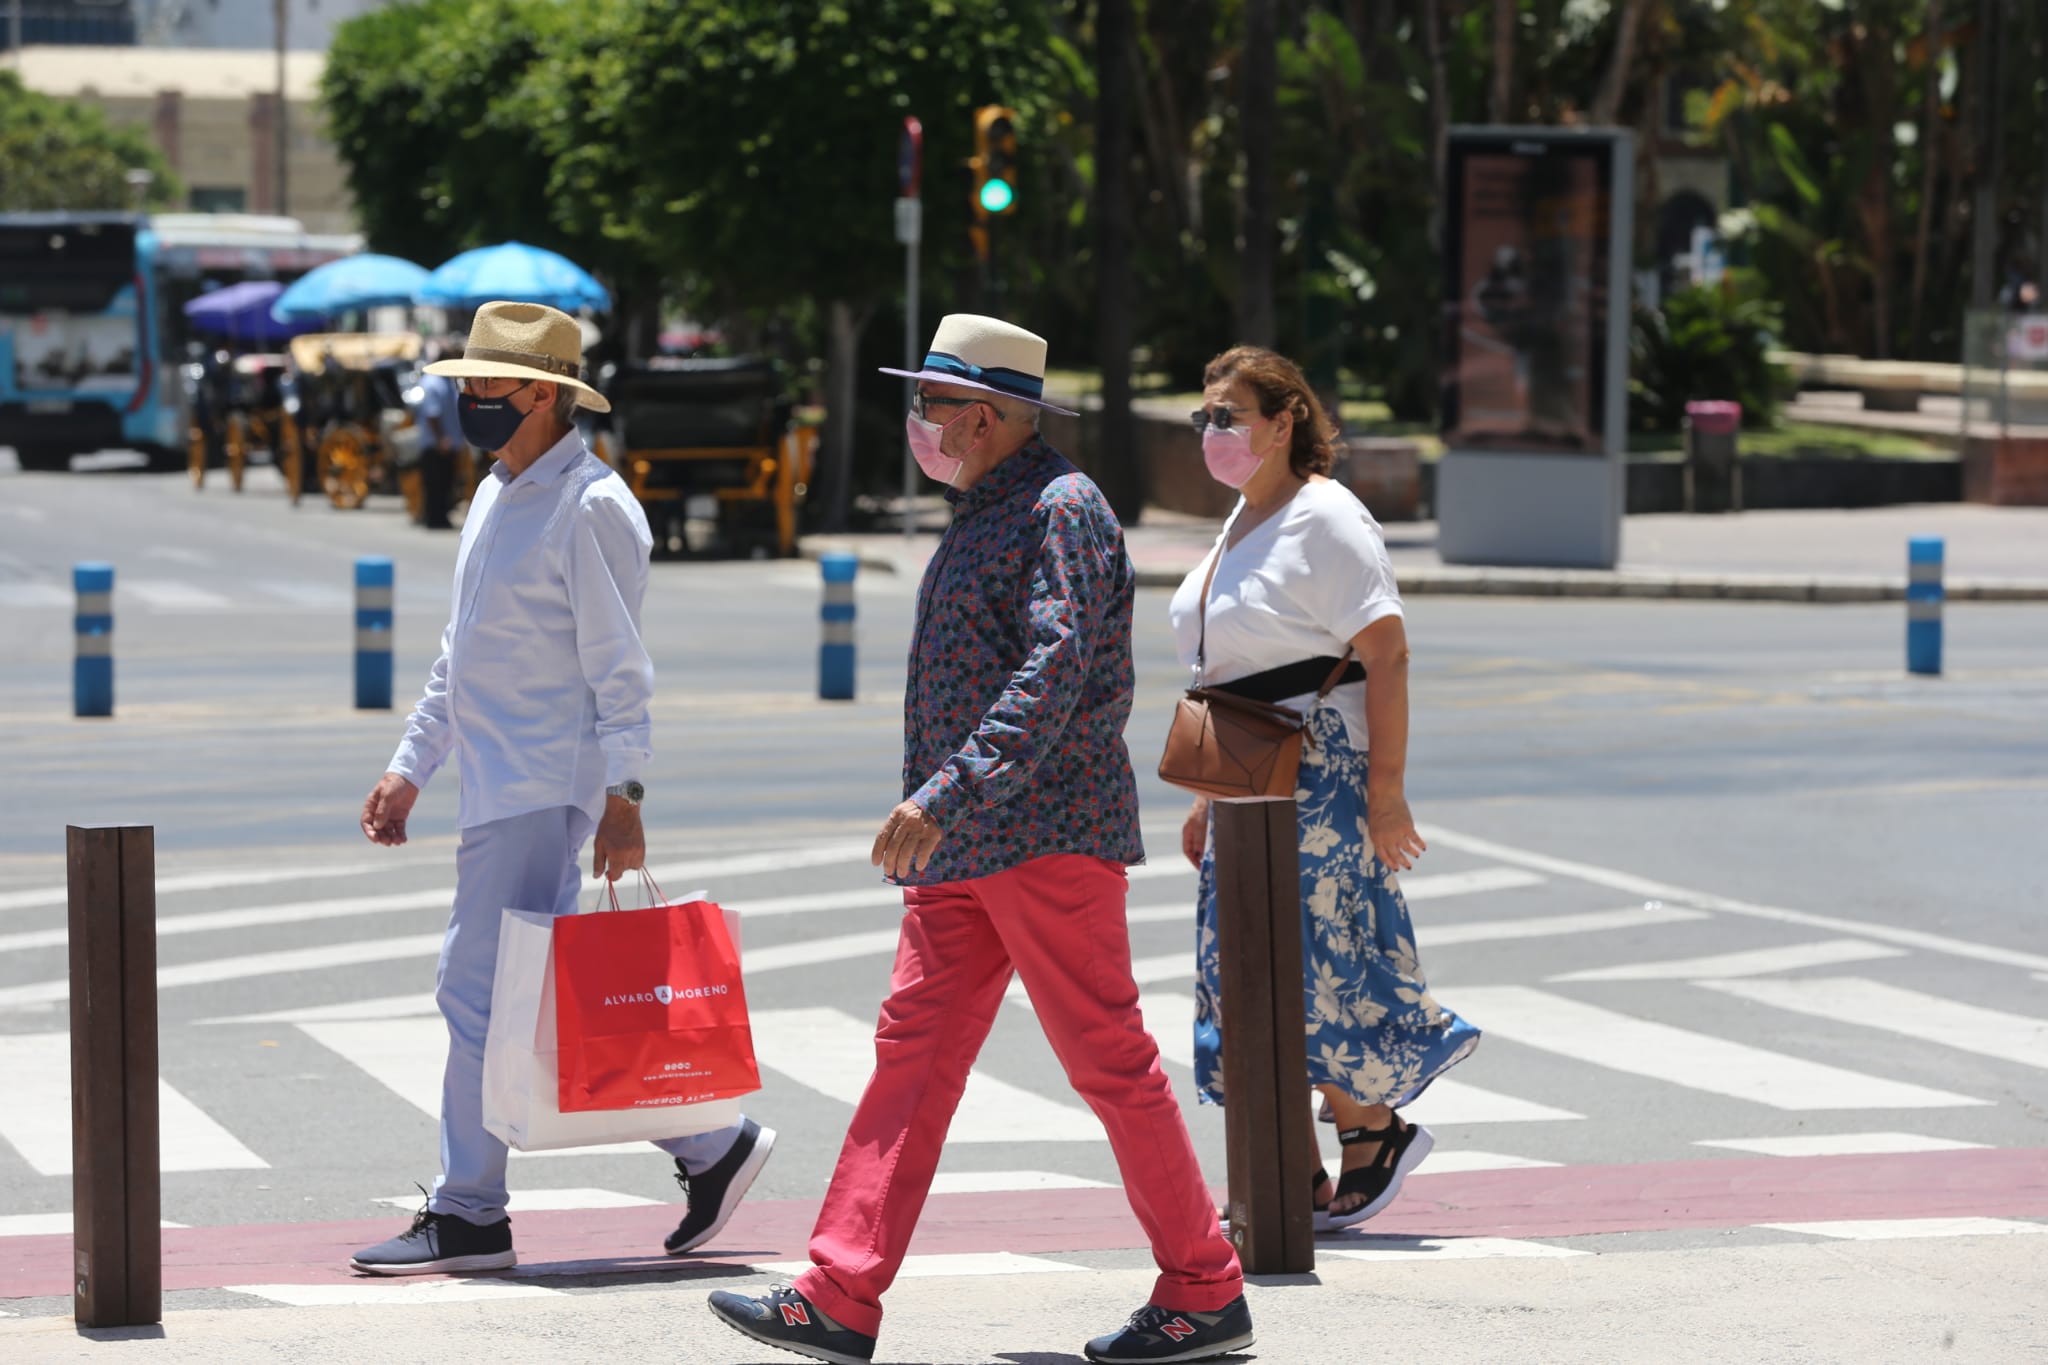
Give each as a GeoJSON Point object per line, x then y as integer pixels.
{"type": "Point", "coordinates": [1994, 554]}
{"type": "Point", "coordinates": [1960, 1299]}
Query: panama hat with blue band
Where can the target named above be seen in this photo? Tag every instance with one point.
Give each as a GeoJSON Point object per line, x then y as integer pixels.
{"type": "Point", "coordinates": [989, 354]}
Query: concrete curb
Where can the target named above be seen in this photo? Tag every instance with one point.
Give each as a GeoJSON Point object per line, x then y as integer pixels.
{"type": "Point", "coordinates": [1451, 581]}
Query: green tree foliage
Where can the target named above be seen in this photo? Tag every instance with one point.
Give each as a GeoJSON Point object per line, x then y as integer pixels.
{"type": "Point", "coordinates": [59, 154]}
{"type": "Point", "coordinates": [1705, 343]}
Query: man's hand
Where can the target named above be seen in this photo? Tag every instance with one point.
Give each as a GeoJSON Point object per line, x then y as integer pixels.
{"type": "Point", "coordinates": [1194, 834]}
{"type": "Point", "coordinates": [1392, 830]}
{"type": "Point", "coordinates": [386, 809]}
{"type": "Point", "coordinates": [620, 846]}
{"type": "Point", "coordinates": [908, 839]}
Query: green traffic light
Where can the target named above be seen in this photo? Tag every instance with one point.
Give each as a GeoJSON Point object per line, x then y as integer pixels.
{"type": "Point", "coordinates": [996, 194]}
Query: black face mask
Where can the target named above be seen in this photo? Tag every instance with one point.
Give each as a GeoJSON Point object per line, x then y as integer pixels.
{"type": "Point", "coordinates": [490, 423]}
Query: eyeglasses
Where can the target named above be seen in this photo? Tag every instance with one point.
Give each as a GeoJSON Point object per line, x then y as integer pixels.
{"type": "Point", "coordinates": [1218, 417]}
{"type": "Point", "coordinates": [920, 400]}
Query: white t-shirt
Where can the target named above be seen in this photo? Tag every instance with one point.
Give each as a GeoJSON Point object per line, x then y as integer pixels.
{"type": "Point", "coordinates": [1299, 585]}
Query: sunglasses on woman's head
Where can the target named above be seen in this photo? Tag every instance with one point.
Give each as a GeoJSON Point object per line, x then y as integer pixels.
{"type": "Point", "coordinates": [1218, 417]}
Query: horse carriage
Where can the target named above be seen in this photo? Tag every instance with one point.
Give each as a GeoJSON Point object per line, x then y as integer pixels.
{"type": "Point", "coordinates": [353, 414]}
{"type": "Point", "coordinates": [244, 405]}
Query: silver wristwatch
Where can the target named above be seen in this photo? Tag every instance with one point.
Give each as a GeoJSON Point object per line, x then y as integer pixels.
{"type": "Point", "coordinates": [632, 792]}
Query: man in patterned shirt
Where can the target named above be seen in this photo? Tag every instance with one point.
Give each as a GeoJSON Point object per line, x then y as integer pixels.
{"type": "Point", "coordinates": [1020, 818]}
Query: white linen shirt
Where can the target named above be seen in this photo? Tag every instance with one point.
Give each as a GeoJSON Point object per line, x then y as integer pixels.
{"type": "Point", "coordinates": [1300, 585]}
{"type": "Point", "coordinates": [543, 684]}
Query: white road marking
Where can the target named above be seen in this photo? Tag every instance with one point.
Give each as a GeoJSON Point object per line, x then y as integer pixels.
{"type": "Point", "coordinates": [250, 917]}
{"type": "Point", "coordinates": [169, 595]}
{"type": "Point", "coordinates": [1895, 1229]}
{"type": "Point", "coordinates": [314, 596]}
{"type": "Point", "coordinates": [998, 1182]}
{"type": "Point", "coordinates": [1165, 967]}
{"type": "Point", "coordinates": [544, 1201]}
{"type": "Point", "coordinates": [1550, 926]}
{"type": "Point", "coordinates": [178, 554]}
{"type": "Point", "coordinates": [211, 881]}
{"type": "Point", "coordinates": [1444, 1249]}
{"type": "Point", "coordinates": [1894, 1009]}
{"type": "Point", "coordinates": [405, 1056]}
{"type": "Point", "coordinates": [383, 1007]}
{"type": "Point", "coordinates": [1655, 890]}
{"type": "Point", "coordinates": [833, 1053]}
{"type": "Point", "coordinates": [950, 1263]}
{"type": "Point", "coordinates": [1441, 1162]}
{"type": "Point", "coordinates": [385, 1294]}
{"type": "Point", "coordinates": [1840, 1144]}
{"type": "Point", "coordinates": [1170, 1019]}
{"type": "Point", "coordinates": [1676, 1056]}
{"type": "Point", "coordinates": [1448, 1103]}
{"type": "Point", "coordinates": [36, 1118]}
{"type": "Point", "coordinates": [811, 952]}
{"type": "Point", "coordinates": [48, 1224]}
{"type": "Point", "coordinates": [1442, 885]}
{"type": "Point", "coordinates": [1754, 962]}
{"type": "Point", "coordinates": [35, 596]}
{"type": "Point", "coordinates": [250, 965]}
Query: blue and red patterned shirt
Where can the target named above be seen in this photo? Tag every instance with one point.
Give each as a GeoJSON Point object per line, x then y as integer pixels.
{"type": "Point", "coordinates": [1020, 676]}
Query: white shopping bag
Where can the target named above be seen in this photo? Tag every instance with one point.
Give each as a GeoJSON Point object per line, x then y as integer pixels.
{"type": "Point", "coordinates": [519, 1058]}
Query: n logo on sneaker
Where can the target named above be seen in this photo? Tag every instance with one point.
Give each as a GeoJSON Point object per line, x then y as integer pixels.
{"type": "Point", "coordinates": [796, 1315]}
{"type": "Point", "coordinates": [1178, 1329]}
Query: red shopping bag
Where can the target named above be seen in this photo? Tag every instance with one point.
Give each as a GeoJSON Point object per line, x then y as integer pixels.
{"type": "Point", "coordinates": [650, 1009]}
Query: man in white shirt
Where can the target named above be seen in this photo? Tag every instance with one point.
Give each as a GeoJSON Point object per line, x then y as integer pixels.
{"type": "Point", "coordinates": [542, 690]}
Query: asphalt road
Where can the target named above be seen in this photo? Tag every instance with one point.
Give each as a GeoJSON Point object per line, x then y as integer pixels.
{"type": "Point", "coordinates": [1705, 873]}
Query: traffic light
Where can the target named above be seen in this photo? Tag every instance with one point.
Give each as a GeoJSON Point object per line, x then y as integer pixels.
{"type": "Point", "coordinates": [995, 161]}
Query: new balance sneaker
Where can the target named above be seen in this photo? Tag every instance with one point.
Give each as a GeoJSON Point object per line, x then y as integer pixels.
{"type": "Point", "coordinates": [713, 1195]}
{"type": "Point", "coordinates": [1168, 1334]}
{"type": "Point", "coordinates": [786, 1319]}
{"type": "Point", "coordinates": [440, 1244]}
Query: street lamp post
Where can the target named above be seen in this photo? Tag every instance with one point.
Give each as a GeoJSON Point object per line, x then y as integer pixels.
{"type": "Point", "coordinates": [284, 115]}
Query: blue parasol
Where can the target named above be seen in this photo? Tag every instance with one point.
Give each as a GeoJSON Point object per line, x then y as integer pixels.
{"type": "Point", "coordinates": [241, 312]}
{"type": "Point", "coordinates": [350, 284]}
{"type": "Point", "coordinates": [517, 272]}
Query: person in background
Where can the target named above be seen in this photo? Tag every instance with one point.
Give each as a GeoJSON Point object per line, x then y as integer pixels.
{"type": "Point", "coordinates": [1299, 577]}
{"type": "Point", "coordinates": [441, 442]}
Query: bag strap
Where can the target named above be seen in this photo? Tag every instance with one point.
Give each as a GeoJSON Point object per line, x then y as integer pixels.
{"type": "Point", "coordinates": [1208, 581]}
{"type": "Point", "coordinates": [1336, 674]}
{"type": "Point", "coordinates": [647, 887]}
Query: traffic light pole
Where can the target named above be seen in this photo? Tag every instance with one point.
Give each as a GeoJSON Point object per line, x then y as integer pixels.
{"type": "Point", "coordinates": [910, 232]}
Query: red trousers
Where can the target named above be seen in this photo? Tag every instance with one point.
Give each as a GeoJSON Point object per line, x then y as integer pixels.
{"type": "Point", "coordinates": [1059, 923]}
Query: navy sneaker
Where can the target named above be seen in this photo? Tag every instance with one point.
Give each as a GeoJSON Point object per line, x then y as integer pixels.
{"type": "Point", "coordinates": [714, 1195]}
{"type": "Point", "coordinates": [1165, 1334]}
{"type": "Point", "coordinates": [786, 1319]}
{"type": "Point", "coordinates": [440, 1244]}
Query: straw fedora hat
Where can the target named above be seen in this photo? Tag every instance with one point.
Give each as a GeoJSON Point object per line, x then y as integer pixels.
{"type": "Point", "coordinates": [524, 341]}
{"type": "Point", "coordinates": [989, 354]}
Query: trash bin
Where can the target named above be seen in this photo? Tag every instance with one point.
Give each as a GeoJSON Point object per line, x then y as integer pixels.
{"type": "Point", "coordinates": [1713, 467]}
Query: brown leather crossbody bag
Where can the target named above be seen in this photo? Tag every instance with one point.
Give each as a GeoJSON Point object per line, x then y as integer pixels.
{"type": "Point", "coordinates": [1229, 740]}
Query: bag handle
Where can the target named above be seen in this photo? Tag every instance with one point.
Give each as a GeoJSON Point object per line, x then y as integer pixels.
{"type": "Point", "coordinates": [647, 887]}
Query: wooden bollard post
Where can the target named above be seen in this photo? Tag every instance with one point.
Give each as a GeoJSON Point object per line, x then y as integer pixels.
{"type": "Point", "coordinates": [1271, 1151]}
{"type": "Point", "coordinates": [116, 1185]}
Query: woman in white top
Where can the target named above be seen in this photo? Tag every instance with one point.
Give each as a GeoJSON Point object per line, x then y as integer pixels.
{"type": "Point", "coordinates": [1300, 575]}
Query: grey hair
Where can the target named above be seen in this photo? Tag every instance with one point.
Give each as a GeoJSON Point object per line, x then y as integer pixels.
{"type": "Point", "coordinates": [564, 410]}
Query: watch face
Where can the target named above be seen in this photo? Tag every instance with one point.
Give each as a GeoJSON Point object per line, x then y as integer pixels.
{"type": "Point", "coordinates": [635, 792]}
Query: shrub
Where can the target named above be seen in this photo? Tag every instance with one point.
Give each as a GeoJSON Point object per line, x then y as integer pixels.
{"type": "Point", "coordinates": [1707, 342]}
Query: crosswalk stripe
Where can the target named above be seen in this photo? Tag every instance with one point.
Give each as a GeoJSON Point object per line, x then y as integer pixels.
{"type": "Point", "coordinates": [171, 594]}
{"type": "Point", "coordinates": [383, 1294]}
{"type": "Point", "coordinates": [1001, 1182]}
{"type": "Point", "coordinates": [1446, 1249]}
{"type": "Point", "coordinates": [1550, 926]}
{"type": "Point", "coordinates": [252, 964]}
{"type": "Point", "coordinates": [1448, 1103]}
{"type": "Point", "coordinates": [1443, 885]}
{"type": "Point", "coordinates": [933, 1264]}
{"type": "Point", "coordinates": [382, 1007]}
{"type": "Point", "coordinates": [1840, 1144]}
{"type": "Point", "coordinates": [1676, 1056]}
{"type": "Point", "coordinates": [1894, 1009]}
{"type": "Point", "coordinates": [1754, 962]}
{"type": "Point", "coordinates": [812, 952]}
{"type": "Point", "coordinates": [34, 596]}
{"type": "Point", "coordinates": [833, 1053]}
{"type": "Point", "coordinates": [1170, 1018]}
{"type": "Point", "coordinates": [48, 1224]}
{"type": "Point", "coordinates": [318, 596]}
{"type": "Point", "coordinates": [36, 1118]}
{"type": "Point", "coordinates": [1895, 1229]}
{"type": "Point", "coordinates": [1442, 1162]}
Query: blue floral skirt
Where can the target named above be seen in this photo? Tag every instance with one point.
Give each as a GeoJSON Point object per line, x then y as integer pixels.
{"type": "Point", "coordinates": [1374, 1031]}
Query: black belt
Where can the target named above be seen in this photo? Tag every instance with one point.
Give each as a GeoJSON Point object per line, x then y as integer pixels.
{"type": "Point", "coordinates": [1291, 680]}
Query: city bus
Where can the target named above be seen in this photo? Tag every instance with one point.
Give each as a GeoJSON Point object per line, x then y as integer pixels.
{"type": "Point", "coordinates": [92, 322]}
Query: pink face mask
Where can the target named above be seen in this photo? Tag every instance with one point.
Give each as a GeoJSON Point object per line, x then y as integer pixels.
{"type": "Point", "coordinates": [1229, 456]}
{"type": "Point", "coordinates": [924, 446]}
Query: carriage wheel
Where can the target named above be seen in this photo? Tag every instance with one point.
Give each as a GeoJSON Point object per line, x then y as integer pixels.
{"type": "Point", "coordinates": [238, 450]}
{"type": "Point", "coordinates": [195, 450]}
{"type": "Point", "coordinates": [345, 468]}
{"type": "Point", "coordinates": [290, 459]}
{"type": "Point", "coordinates": [413, 485]}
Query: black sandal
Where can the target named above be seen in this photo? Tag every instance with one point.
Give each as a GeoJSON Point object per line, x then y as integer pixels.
{"type": "Point", "coordinates": [1315, 1183]}
{"type": "Point", "coordinates": [1402, 1148]}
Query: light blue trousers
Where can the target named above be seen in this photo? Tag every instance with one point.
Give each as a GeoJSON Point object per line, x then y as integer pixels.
{"type": "Point", "coordinates": [529, 862]}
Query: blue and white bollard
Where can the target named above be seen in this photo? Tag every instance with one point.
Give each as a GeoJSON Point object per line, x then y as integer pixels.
{"type": "Point", "coordinates": [92, 672]}
{"type": "Point", "coordinates": [373, 634]}
{"type": "Point", "coordinates": [1924, 596]}
{"type": "Point", "coordinates": [835, 652]}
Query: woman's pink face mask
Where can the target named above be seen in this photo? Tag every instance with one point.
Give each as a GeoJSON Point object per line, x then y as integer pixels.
{"type": "Point", "coordinates": [1228, 454]}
